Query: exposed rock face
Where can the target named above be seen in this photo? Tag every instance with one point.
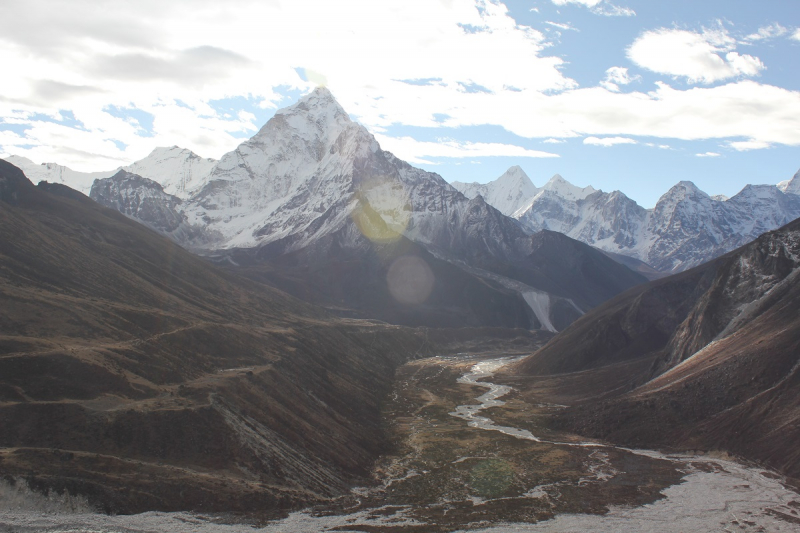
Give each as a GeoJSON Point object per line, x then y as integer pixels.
{"type": "Point", "coordinates": [145, 200]}
{"type": "Point", "coordinates": [139, 198]}
{"type": "Point", "coordinates": [723, 342]}
{"type": "Point", "coordinates": [13, 183]}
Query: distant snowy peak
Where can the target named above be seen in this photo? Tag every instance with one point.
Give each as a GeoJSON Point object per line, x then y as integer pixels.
{"type": "Point", "coordinates": [551, 198]}
{"type": "Point", "coordinates": [566, 190]}
{"type": "Point", "coordinates": [515, 177]}
{"type": "Point", "coordinates": [178, 170]}
{"type": "Point", "coordinates": [791, 186]}
{"type": "Point", "coordinates": [55, 173]}
{"type": "Point", "coordinates": [507, 193]}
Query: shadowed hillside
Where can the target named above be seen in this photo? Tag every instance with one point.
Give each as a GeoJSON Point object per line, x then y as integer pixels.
{"type": "Point", "coordinates": [706, 359]}
{"type": "Point", "coordinates": [140, 375]}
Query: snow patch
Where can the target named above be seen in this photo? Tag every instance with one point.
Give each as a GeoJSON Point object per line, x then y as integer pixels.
{"type": "Point", "coordinates": [539, 302]}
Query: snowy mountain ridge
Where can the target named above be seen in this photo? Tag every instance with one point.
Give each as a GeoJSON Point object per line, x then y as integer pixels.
{"type": "Point", "coordinates": [179, 171]}
{"type": "Point", "coordinates": [686, 227]}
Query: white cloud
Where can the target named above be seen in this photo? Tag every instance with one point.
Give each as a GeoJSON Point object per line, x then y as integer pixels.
{"type": "Point", "coordinates": [414, 151]}
{"type": "Point", "coordinates": [587, 3]}
{"type": "Point", "coordinates": [173, 60]}
{"type": "Point", "coordinates": [705, 57]}
{"type": "Point", "coordinates": [743, 146]}
{"type": "Point", "coordinates": [553, 141]}
{"type": "Point", "coordinates": [767, 32]}
{"type": "Point", "coordinates": [600, 7]}
{"type": "Point", "coordinates": [796, 35]}
{"type": "Point", "coordinates": [611, 10]}
{"type": "Point", "coordinates": [708, 154]}
{"type": "Point", "coordinates": [560, 25]}
{"type": "Point", "coordinates": [659, 146]}
{"type": "Point", "coordinates": [616, 76]}
{"type": "Point", "coordinates": [608, 141]}
{"type": "Point", "coordinates": [529, 95]}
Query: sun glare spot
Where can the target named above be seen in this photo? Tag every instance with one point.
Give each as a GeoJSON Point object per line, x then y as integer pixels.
{"type": "Point", "coordinates": [410, 279]}
{"type": "Point", "coordinates": [383, 210]}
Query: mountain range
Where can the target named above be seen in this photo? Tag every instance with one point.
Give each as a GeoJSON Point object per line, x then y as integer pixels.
{"type": "Point", "coordinates": [687, 227]}
{"type": "Point", "coordinates": [313, 205]}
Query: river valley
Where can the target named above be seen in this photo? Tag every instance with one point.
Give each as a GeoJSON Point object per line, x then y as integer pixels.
{"type": "Point", "coordinates": [471, 454]}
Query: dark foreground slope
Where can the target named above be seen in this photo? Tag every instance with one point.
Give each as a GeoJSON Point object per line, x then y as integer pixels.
{"type": "Point", "coordinates": [712, 357]}
{"type": "Point", "coordinates": [138, 374]}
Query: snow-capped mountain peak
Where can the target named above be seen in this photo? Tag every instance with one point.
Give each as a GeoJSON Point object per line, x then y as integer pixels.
{"type": "Point", "coordinates": [306, 160]}
{"type": "Point", "coordinates": [791, 186]}
{"type": "Point", "coordinates": [686, 227]}
{"type": "Point", "coordinates": [515, 177]}
{"type": "Point", "coordinates": [506, 194]}
{"type": "Point", "coordinates": [686, 188]}
{"type": "Point", "coordinates": [317, 111]}
{"type": "Point", "coordinates": [179, 171]}
{"type": "Point", "coordinates": [566, 190]}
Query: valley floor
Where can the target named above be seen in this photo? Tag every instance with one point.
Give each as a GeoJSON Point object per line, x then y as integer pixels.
{"type": "Point", "coordinates": [470, 454]}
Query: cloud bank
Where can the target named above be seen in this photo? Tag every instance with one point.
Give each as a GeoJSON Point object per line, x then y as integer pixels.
{"type": "Point", "coordinates": [104, 82]}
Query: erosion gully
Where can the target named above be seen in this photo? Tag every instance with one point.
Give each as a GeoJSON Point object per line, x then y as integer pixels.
{"type": "Point", "coordinates": [470, 454]}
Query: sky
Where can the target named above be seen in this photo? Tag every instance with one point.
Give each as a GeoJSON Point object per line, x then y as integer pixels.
{"type": "Point", "coordinates": [630, 95]}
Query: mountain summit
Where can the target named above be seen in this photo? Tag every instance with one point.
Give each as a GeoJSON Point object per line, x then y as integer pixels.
{"type": "Point", "coordinates": [507, 193]}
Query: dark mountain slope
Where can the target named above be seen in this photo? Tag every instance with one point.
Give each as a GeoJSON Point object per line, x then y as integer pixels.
{"type": "Point", "coordinates": [724, 345]}
{"type": "Point", "coordinates": [140, 375]}
{"type": "Point", "coordinates": [353, 281]}
{"type": "Point", "coordinates": [637, 323]}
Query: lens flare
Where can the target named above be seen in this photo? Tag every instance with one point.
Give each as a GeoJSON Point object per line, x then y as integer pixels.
{"type": "Point", "coordinates": [383, 211]}
{"type": "Point", "coordinates": [410, 280]}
